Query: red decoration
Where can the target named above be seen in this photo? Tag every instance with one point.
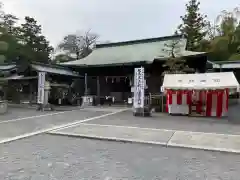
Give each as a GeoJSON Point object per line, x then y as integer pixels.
{"type": "Point", "coordinates": [200, 102]}
{"type": "Point", "coordinates": [200, 97]}
{"type": "Point", "coordinates": [209, 103]}
{"type": "Point", "coordinates": [170, 93]}
{"type": "Point", "coordinates": [179, 97]}
{"type": "Point", "coordinates": [189, 97]}
{"type": "Point", "coordinates": [219, 103]}
{"type": "Point", "coordinates": [169, 99]}
{"type": "Point", "coordinates": [227, 96]}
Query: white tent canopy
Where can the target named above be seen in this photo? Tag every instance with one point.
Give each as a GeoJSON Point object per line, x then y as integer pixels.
{"type": "Point", "coordinates": [219, 80]}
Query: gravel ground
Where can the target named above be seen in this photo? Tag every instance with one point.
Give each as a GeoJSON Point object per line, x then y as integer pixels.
{"type": "Point", "coordinates": [164, 121]}
{"type": "Point", "coordinates": [47, 157]}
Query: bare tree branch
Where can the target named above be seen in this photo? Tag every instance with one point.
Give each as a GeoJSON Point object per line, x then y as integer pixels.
{"type": "Point", "coordinates": [79, 44]}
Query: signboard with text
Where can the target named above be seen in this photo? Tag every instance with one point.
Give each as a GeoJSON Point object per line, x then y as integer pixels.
{"type": "Point", "coordinates": [139, 88]}
{"type": "Point", "coordinates": [41, 83]}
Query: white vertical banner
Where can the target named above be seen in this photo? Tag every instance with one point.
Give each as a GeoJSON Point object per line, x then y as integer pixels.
{"type": "Point", "coordinates": [139, 88]}
{"type": "Point", "coordinates": [41, 84]}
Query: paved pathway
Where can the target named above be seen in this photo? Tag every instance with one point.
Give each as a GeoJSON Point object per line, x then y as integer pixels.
{"type": "Point", "coordinates": [169, 138]}
{"type": "Point", "coordinates": [23, 127]}
{"type": "Point", "coordinates": [207, 141]}
{"type": "Point", "coordinates": [177, 123]}
{"type": "Point", "coordinates": [28, 126]}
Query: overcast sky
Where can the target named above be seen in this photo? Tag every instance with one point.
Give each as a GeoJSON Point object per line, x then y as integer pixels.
{"type": "Point", "coordinates": [113, 20]}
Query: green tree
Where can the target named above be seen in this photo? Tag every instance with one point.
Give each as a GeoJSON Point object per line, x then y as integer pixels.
{"type": "Point", "coordinates": [13, 47]}
{"type": "Point", "coordinates": [35, 47]}
{"type": "Point", "coordinates": [193, 25]}
{"type": "Point", "coordinates": [80, 45]}
{"type": "Point", "coordinates": [9, 22]}
{"type": "Point", "coordinates": [226, 43]}
{"type": "Point", "coordinates": [8, 32]}
{"type": "Point", "coordinates": [176, 63]}
{"type": "Point", "coordinates": [3, 46]}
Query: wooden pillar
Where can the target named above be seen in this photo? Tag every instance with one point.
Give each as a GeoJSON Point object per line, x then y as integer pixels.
{"type": "Point", "coordinates": [85, 85]}
{"type": "Point", "coordinates": [30, 92]}
{"type": "Point", "coordinates": [98, 90]}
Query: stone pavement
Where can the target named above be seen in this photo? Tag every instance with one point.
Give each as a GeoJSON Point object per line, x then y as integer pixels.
{"type": "Point", "coordinates": [168, 138]}
{"type": "Point", "coordinates": [20, 127]}
{"type": "Point", "coordinates": [206, 141]}
{"type": "Point", "coordinates": [119, 133]}
{"type": "Point", "coordinates": [177, 123]}
{"type": "Point", "coordinates": [18, 113]}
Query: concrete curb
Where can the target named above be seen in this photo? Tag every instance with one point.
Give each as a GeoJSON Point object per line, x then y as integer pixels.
{"type": "Point", "coordinates": [174, 145]}
{"type": "Point", "coordinates": [106, 138]}
{"type": "Point", "coordinates": [164, 144]}
{"type": "Point", "coordinates": [22, 106]}
{"type": "Point", "coordinates": [56, 108]}
{"type": "Point", "coordinates": [65, 108]}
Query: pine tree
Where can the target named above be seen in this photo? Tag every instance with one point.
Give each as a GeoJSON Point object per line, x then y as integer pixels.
{"type": "Point", "coordinates": [36, 47]}
{"type": "Point", "coordinates": [193, 25]}
{"type": "Point", "coordinates": [176, 63]}
{"type": "Point", "coordinates": [3, 46]}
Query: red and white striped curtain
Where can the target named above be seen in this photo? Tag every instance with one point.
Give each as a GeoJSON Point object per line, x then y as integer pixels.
{"type": "Point", "coordinates": [216, 100]}
{"type": "Point", "coordinates": [178, 97]}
